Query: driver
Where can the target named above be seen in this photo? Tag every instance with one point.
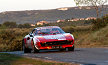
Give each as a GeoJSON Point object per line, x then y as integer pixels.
{"type": "Point", "coordinates": [55, 31]}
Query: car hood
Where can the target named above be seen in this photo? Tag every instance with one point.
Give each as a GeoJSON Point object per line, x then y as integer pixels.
{"type": "Point", "coordinates": [57, 37]}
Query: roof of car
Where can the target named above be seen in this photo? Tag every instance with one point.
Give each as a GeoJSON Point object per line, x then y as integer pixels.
{"type": "Point", "coordinates": [47, 27]}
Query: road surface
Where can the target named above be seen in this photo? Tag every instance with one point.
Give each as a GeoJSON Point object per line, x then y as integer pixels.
{"type": "Point", "coordinates": [83, 56]}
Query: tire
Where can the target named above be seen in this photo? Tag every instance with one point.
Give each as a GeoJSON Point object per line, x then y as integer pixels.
{"type": "Point", "coordinates": [26, 50]}
{"type": "Point", "coordinates": [36, 50]}
{"type": "Point", "coordinates": [67, 49]}
{"type": "Point", "coordinates": [71, 48]}
{"type": "Point", "coordinates": [62, 49]}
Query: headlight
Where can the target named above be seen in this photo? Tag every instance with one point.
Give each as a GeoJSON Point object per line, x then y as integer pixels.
{"type": "Point", "coordinates": [72, 36]}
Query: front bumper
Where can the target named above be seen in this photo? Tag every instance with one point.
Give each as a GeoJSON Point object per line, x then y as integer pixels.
{"type": "Point", "coordinates": [55, 47]}
{"type": "Point", "coordinates": [55, 44]}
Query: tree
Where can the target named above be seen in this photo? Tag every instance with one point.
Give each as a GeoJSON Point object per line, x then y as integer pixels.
{"type": "Point", "coordinates": [94, 3]}
{"type": "Point", "coordinates": [100, 22]}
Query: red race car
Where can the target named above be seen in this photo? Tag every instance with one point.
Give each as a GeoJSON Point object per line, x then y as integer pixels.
{"type": "Point", "coordinates": [49, 37]}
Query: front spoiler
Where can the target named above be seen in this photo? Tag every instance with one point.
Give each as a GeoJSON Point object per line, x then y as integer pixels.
{"type": "Point", "coordinates": [54, 47]}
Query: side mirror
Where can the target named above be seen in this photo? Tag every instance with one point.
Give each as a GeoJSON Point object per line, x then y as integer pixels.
{"type": "Point", "coordinates": [31, 35]}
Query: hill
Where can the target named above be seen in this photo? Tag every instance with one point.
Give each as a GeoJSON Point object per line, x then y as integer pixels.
{"type": "Point", "coordinates": [32, 16]}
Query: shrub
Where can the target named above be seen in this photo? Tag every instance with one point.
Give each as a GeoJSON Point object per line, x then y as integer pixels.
{"type": "Point", "coordinates": [100, 22]}
{"type": "Point", "coordinates": [26, 25]}
{"type": "Point", "coordinates": [11, 39]}
{"type": "Point", "coordinates": [10, 24]}
{"type": "Point", "coordinates": [68, 29]}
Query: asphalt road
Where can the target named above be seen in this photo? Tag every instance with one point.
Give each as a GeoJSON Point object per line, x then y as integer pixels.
{"type": "Point", "coordinates": [83, 56]}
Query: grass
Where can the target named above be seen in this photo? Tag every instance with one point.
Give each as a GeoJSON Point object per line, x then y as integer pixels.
{"type": "Point", "coordinates": [8, 59]}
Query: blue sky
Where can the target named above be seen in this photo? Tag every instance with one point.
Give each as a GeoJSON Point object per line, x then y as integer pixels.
{"type": "Point", "coordinates": [18, 5]}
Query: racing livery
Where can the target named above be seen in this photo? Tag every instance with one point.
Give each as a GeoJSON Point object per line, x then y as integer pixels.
{"type": "Point", "coordinates": [49, 37]}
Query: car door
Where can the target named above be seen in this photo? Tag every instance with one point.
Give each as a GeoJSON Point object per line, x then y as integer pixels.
{"type": "Point", "coordinates": [31, 36]}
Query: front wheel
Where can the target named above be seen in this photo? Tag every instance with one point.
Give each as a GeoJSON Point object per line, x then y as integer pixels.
{"type": "Point", "coordinates": [70, 48]}
{"type": "Point", "coordinates": [36, 50]}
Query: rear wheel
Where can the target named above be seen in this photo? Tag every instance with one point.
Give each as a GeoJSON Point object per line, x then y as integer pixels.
{"type": "Point", "coordinates": [26, 50]}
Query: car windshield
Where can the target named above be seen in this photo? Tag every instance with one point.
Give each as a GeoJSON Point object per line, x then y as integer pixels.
{"type": "Point", "coordinates": [48, 31]}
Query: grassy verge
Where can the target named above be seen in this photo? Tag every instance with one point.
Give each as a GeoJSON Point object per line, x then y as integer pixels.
{"type": "Point", "coordinates": [97, 38]}
{"type": "Point", "coordinates": [8, 59]}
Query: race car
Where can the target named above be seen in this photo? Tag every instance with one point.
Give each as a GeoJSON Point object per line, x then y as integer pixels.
{"type": "Point", "coordinates": [46, 38]}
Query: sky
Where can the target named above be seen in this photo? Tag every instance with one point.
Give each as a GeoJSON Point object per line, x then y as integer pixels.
{"type": "Point", "coordinates": [19, 5]}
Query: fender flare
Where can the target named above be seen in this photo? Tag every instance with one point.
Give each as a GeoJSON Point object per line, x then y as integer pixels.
{"type": "Point", "coordinates": [34, 43]}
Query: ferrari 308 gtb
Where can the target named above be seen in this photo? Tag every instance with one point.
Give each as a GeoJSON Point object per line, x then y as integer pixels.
{"type": "Point", "coordinates": [49, 37]}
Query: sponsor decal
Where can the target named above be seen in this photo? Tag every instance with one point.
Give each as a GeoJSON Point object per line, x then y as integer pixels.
{"type": "Point", "coordinates": [59, 37]}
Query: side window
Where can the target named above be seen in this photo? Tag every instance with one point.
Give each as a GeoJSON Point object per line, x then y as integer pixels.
{"type": "Point", "coordinates": [34, 32]}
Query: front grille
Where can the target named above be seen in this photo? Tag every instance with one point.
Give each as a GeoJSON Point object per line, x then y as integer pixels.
{"type": "Point", "coordinates": [56, 43]}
